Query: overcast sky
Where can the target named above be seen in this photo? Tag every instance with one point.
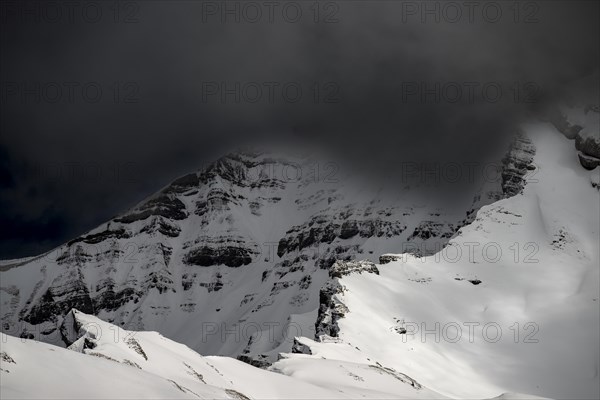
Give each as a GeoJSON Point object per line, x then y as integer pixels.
{"type": "Point", "coordinates": [103, 106]}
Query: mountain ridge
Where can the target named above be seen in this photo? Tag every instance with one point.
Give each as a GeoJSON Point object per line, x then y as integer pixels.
{"type": "Point", "coordinates": [247, 217]}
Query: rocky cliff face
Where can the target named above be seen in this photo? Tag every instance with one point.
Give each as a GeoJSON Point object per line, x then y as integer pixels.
{"type": "Point", "coordinates": [578, 118]}
{"type": "Point", "coordinates": [331, 308]}
{"type": "Point", "coordinates": [226, 259]}
{"type": "Point", "coordinates": [581, 125]}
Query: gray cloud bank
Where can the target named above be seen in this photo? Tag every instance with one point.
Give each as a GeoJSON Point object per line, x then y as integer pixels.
{"type": "Point", "coordinates": [101, 109]}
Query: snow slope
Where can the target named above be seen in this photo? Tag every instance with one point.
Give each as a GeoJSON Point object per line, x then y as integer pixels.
{"type": "Point", "coordinates": [105, 361]}
{"type": "Point", "coordinates": [527, 269]}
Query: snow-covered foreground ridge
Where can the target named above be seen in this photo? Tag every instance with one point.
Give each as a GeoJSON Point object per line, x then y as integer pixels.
{"type": "Point", "coordinates": [105, 361]}
{"type": "Point", "coordinates": [510, 305]}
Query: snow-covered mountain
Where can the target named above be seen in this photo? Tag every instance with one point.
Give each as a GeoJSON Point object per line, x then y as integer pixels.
{"type": "Point", "coordinates": [220, 257]}
{"type": "Point", "coordinates": [511, 304]}
{"type": "Point", "coordinates": [282, 262]}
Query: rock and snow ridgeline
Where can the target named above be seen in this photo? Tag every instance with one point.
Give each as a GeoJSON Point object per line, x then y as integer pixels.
{"type": "Point", "coordinates": [222, 257]}
{"type": "Point", "coordinates": [237, 244]}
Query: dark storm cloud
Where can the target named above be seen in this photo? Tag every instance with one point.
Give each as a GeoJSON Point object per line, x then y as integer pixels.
{"type": "Point", "coordinates": [182, 82]}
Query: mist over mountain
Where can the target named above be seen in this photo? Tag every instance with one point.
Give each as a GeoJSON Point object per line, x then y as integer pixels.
{"type": "Point", "coordinates": [73, 158]}
{"type": "Point", "coordinates": [334, 199]}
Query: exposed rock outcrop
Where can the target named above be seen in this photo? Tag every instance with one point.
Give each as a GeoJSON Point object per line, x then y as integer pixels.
{"type": "Point", "coordinates": [586, 135]}
{"type": "Point", "coordinates": [588, 162]}
{"type": "Point", "coordinates": [331, 308]}
{"type": "Point", "coordinates": [388, 258]}
{"type": "Point", "coordinates": [518, 163]}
